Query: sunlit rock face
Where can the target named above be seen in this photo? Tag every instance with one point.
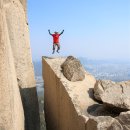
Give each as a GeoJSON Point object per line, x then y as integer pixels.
{"type": "Point", "coordinates": [11, 109]}
{"type": "Point", "coordinates": [65, 101]}
{"type": "Point", "coordinates": [15, 48]}
{"type": "Point", "coordinates": [88, 104]}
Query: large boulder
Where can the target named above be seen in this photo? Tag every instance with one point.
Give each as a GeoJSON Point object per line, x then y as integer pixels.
{"type": "Point", "coordinates": [11, 109]}
{"type": "Point", "coordinates": [113, 94]}
{"type": "Point", "coordinates": [72, 69]}
{"type": "Point", "coordinates": [18, 34]}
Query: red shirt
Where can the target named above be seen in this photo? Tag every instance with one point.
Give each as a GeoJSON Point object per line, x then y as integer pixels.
{"type": "Point", "coordinates": [56, 38]}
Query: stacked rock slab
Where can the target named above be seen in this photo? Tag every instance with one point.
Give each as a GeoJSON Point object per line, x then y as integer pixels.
{"type": "Point", "coordinates": [72, 105]}
{"type": "Point", "coordinates": [113, 94]}
{"type": "Point", "coordinates": [11, 110]}
{"type": "Point", "coordinates": [18, 35]}
{"type": "Point", "coordinates": [66, 102]}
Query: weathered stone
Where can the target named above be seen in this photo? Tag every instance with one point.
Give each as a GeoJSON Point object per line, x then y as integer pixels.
{"type": "Point", "coordinates": [72, 69]}
{"type": "Point", "coordinates": [66, 102]}
{"type": "Point", "coordinates": [24, 3]}
{"type": "Point", "coordinates": [19, 43]}
{"type": "Point", "coordinates": [113, 94]}
{"type": "Point", "coordinates": [115, 126]}
{"type": "Point", "coordinates": [103, 123]}
{"type": "Point", "coordinates": [11, 109]}
{"type": "Point", "coordinates": [124, 119]}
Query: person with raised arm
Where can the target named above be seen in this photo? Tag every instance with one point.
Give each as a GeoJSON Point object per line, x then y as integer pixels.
{"type": "Point", "coordinates": [56, 42]}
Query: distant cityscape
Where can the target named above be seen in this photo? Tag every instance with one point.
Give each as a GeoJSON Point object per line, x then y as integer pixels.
{"type": "Point", "coordinates": [101, 69]}
{"type": "Point", "coordinates": [108, 70]}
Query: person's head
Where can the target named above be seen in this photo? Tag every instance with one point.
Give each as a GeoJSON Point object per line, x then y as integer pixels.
{"type": "Point", "coordinates": [56, 32]}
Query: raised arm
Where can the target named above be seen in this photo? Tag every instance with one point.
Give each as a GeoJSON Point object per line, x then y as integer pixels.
{"type": "Point", "coordinates": [49, 32]}
{"type": "Point", "coordinates": [62, 32]}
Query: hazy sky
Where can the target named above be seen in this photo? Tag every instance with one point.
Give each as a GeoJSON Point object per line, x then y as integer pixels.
{"type": "Point", "coordinates": [97, 29]}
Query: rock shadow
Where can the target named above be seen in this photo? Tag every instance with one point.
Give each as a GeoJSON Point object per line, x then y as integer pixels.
{"type": "Point", "coordinates": [91, 95]}
{"type": "Point", "coordinates": [31, 108]}
{"type": "Point", "coordinates": [104, 110]}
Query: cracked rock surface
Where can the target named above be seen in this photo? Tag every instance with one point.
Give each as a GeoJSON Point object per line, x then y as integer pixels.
{"type": "Point", "coordinates": [113, 94]}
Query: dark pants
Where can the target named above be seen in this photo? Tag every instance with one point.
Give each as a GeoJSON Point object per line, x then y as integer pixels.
{"type": "Point", "coordinates": [54, 46]}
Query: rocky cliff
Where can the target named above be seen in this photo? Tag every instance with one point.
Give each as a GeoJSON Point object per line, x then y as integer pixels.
{"type": "Point", "coordinates": [84, 104]}
{"type": "Point", "coordinates": [16, 69]}
{"type": "Point", "coordinates": [11, 110]}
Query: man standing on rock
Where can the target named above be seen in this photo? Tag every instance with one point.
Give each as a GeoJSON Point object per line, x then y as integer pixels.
{"type": "Point", "coordinates": [56, 36]}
